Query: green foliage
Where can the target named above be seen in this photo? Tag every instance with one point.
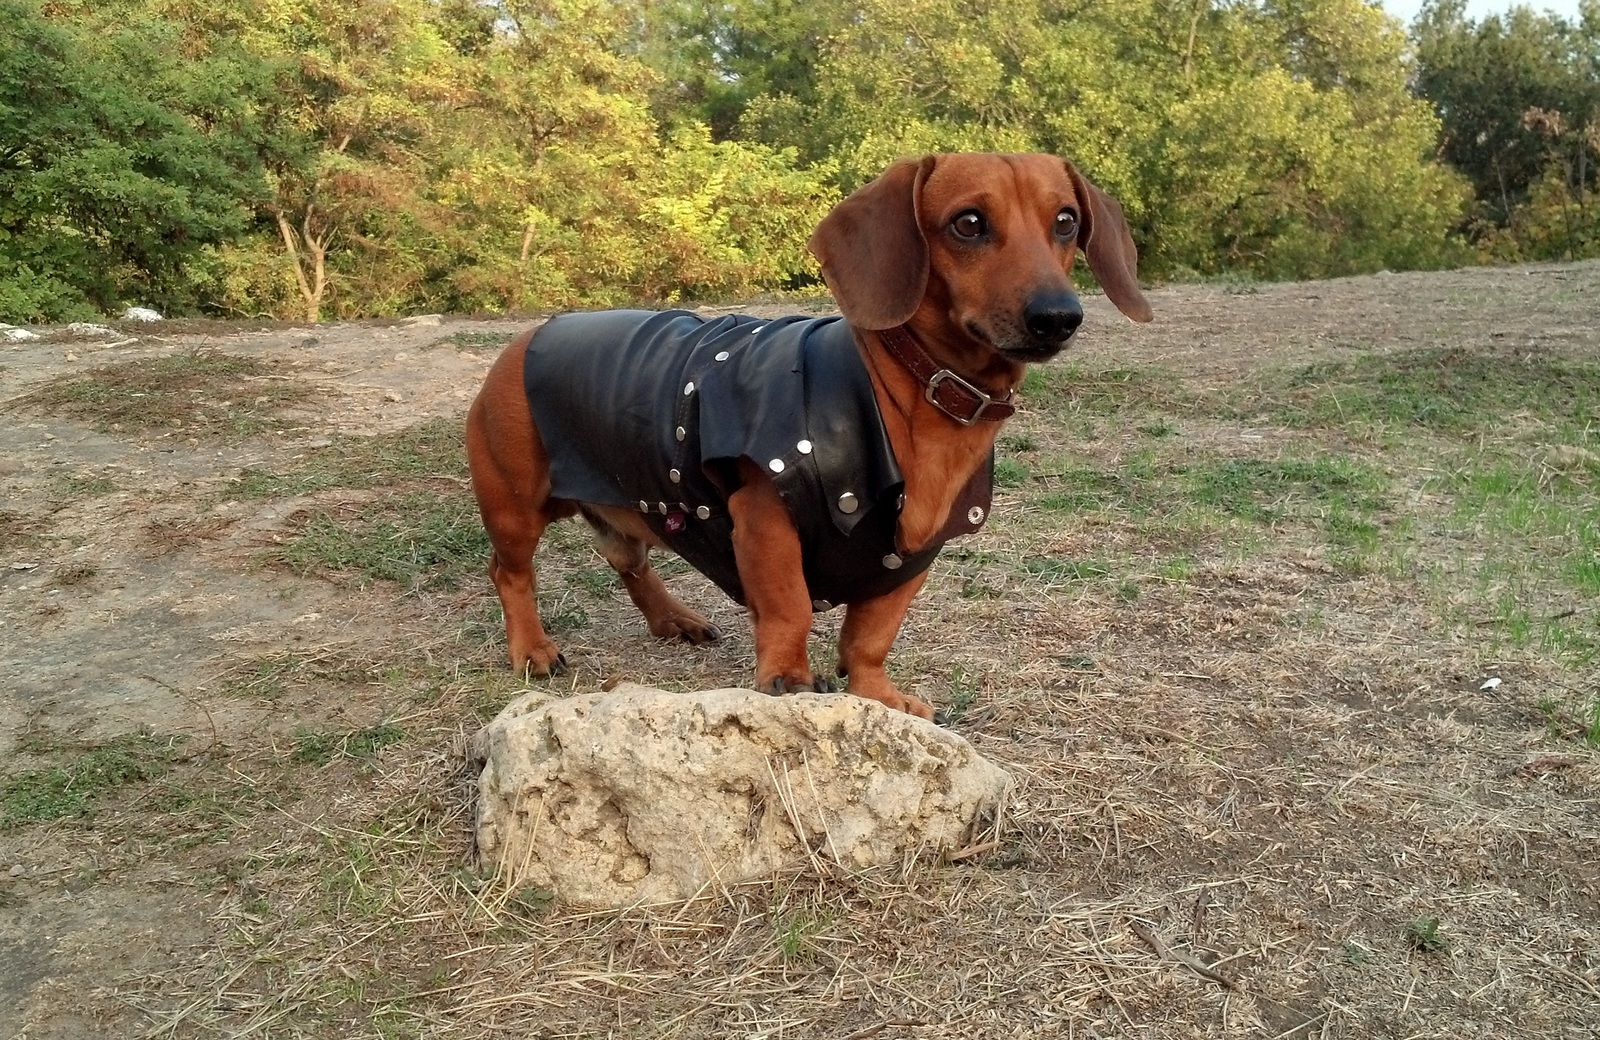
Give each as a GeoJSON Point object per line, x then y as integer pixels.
{"type": "Point", "coordinates": [1423, 935]}
{"type": "Point", "coordinates": [68, 789]}
{"type": "Point", "coordinates": [320, 747]}
{"type": "Point", "coordinates": [120, 161]}
{"type": "Point", "coordinates": [417, 540]}
{"type": "Point", "coordinates": [312, 158]}
{"type": "Point", "coordinates": [1281, 140]}
{"type": "Point", "coordinates": [1519, 99]}
{"type": "Point", "coordinates": [1450, 390]}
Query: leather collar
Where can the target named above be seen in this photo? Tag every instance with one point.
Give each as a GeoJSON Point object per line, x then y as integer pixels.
{"type": "Point", "coordinates": [945, 390]}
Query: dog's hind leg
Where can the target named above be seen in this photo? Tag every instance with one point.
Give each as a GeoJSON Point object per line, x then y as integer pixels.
{"type": "Point", "coordinates": [510, 478]}
{"type": "Point", "coordinates": [629, 556]}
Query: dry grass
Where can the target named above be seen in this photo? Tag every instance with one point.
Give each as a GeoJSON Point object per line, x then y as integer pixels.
{"type": "Point", "coordinates": [1262, 787]}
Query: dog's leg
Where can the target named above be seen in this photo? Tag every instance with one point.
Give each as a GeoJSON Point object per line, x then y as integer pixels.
{"type": "Point", "coordinates": [864, 641]}
{"type": "Point", "coordinates": [666, 615]}
{"type": "Point", "coordinates": [766, 548]}
{"type": "Point", "coordinates": [511, 481]}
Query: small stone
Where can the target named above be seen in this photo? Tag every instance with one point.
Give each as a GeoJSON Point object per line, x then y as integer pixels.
{"type": "Point", "coordinates": [141, 314]}
{"type": "Point", "coordinates": [17, 870]}
{"type": "Point", "coordinates": [392, 395]}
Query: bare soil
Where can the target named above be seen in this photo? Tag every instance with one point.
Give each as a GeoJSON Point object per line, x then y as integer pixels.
{"type": "Point", "coordinates": [1248, 774]}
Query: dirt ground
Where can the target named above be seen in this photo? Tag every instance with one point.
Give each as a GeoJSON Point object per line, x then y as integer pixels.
{"type": "Point", "coordinates": [1249, 773]}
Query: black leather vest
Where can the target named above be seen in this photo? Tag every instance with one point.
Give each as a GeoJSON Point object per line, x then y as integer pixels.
{"type": "Point", "coordinates": [650, 410]}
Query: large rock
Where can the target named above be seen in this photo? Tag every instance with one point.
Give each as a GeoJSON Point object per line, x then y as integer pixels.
{"type": "Point", "coordinates": [645, 796]}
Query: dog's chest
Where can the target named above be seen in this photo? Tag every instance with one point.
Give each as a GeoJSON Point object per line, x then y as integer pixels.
{"type": "Point", "coordinates": [647, 410]}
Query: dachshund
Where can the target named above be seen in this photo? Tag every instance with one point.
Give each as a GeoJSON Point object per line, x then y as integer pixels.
{"type": "Point", "coordinates": [800, 463]}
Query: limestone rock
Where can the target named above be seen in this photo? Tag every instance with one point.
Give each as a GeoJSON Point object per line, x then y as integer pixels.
{"type": "Point", "coordinates": [644, 796]}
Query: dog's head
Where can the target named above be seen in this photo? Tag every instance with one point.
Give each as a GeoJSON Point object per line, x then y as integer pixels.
{"type": "Point", "coordinates": [986, 242]}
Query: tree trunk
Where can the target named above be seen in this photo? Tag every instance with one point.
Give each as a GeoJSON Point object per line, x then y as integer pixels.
{"type": "Point", "coordinates": [305, 247]}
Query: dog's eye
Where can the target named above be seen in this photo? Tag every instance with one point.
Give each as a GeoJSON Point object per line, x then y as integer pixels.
{"type": "Point", "coordinates": [1067, 223]}
{"type": "Point", "coordinates": [969, 224]}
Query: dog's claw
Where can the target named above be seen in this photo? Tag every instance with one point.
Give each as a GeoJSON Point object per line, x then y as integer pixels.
{"type": "Point", "coordinates": [941, 717]}
{"type": "Point", "coordinates": [825, 685]}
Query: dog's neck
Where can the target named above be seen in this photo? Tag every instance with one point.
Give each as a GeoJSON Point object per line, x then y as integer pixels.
{"type": "Point", "coordinates": [937, 453]}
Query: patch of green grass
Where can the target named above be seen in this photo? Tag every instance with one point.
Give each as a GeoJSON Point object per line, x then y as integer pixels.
{"type": "Point", "coordinates": [1158, 429]}
{"type": "Point", "coordinates": [273, 676]}
{"type": "Point", "coordinates": [797, 932]}
{"type": "Point", "coordinates": [1423, 935]}
{"type": "Point", "coordinates": [1014, 443]}
{"type": "Point", "coordinates": [1340, 496]}
{"type": "Point", "coordinates": [1544, 530]}
{"type": "Point", "coordinates": [474, 341]}
{"type": "Point", "coordinates": [1056, 570]}
{"type": "Point", "coordinates": [418, 540]}
{"type": "Point", "coordinates": [1577, 718]}
{"type": "Point", "coordinates": [1083, 489]}
{"type": "Point", "coordinates": [1177, 569]}
{"type": "Point", "coordinates": [1009, 473]}
{"type": "Point", "coordinates": [70, 787]}
{"type": "Point", "coordinates": [1074, 388]}
{"type": "Point", "coordinates": [963, 695]}
{"type": "Point", "coordinates": [436, 448]}
{"type": "Point", "coordinates": [1455, 390]}
{"type": "Point", "coordinates": [87, 486]}
{"type": "Point", "coordinates": [204, 393]}
{"type": "Point", "coordinates": [319, 747]}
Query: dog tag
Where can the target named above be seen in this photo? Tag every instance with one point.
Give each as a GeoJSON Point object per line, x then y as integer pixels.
{"type": "Point", "coordinates": [676, 522]}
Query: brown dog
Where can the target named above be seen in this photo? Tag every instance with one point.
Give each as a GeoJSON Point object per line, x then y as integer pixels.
{"type": "Point", "coordinates": [952, 273]}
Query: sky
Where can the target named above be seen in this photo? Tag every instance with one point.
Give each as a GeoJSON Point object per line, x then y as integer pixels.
{"type": "Point", "coordinates": [1406, 10]}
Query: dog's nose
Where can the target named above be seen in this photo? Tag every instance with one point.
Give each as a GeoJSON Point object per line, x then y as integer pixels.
{"type": "Point", "coordinates": [1052, 317]}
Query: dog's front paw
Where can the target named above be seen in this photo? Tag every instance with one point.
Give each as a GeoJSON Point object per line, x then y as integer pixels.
{"type": "Point", "coordinates": [540, 662]}
{"type": "Point", "coordinates": [884, 693]}
{"type": "Point", "coordinates": [779, 685]}
{"type": "Point", "coordinates": [688, 626]}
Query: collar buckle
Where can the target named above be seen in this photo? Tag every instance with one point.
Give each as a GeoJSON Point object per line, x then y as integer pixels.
{"type": "Point", "coordinates": [981, 399]}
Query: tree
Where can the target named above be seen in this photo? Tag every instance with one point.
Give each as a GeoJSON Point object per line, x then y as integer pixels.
{"type": "Point", "coordinates": [118, 166]}
{"type": "Point", "coordinates": [1490, 80]}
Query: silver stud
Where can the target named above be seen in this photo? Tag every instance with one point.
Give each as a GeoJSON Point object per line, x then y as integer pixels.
{"type": "Point", "coordinates": [804, 447]}
{"type": "Point", "coordinates": [892, 561]}
{"type": "Point", "coordinates": [644, 507]}
{"type": "Point", "coordinates": [900, 503]}
{"type": "Point", "coordinates": [663, 507]}
{"type": "Point", "coordinates": [848, 503]}
{"type": "Point", "coordinates": [722, 355]}
{"type": "Point", "coordinates": [688, 388]}
{"type": "Point", "coordinates": [680, 433]}
{"type": "Point", "coordinates": [975, 516]}
{"type": "Point", "coordinates": [703, 512]}
{"type": "Point", "coordinates": [821, 604]}
{"type": "Point", "coordinates": [674, 476]}
{"type": "Point", "coordinates": [776, 465]}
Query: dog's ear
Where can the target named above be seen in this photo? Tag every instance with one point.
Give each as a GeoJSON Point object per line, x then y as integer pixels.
{"type": "Point", "coordinates": [1108, 246]}
{"type": "Point", "coordinates": [871, 248]}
